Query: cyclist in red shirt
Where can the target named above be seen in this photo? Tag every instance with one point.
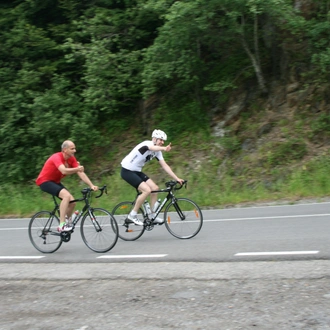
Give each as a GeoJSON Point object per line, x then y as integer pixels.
{"type": "Point", "coordinates": [54, 170]}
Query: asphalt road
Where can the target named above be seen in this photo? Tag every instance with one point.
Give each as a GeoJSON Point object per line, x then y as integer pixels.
{"type": "Point", "coordinates": [249, 268]}
{"type": "Point", "coordinates": [285, 232]}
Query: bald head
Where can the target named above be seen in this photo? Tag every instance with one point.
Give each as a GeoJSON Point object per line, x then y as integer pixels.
{"type": "Point", "coordinates": [67, 144]}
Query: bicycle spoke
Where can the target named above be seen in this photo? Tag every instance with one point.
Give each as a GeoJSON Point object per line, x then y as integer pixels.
{"type": "Point", "coordinates": [99, 230]}
{"type": "Point", "coordinates": [43, 232]}
{"type": "Point", "coordinates": [128, 231]}
{"type": "Point", "coordinates": [183, 219]}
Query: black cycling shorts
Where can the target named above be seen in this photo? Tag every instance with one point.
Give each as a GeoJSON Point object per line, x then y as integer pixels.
{"type": "Point", "coordinates": [52, 188]}
{"type": "Point", "coordinates": [134, 178]}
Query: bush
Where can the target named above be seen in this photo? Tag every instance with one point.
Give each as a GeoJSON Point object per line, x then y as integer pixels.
{"type": "Point", "coordinates": [284, 152]}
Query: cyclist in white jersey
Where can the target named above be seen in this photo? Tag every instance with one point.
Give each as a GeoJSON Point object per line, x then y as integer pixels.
{"type": "Point", "coordinates": [131, 171]}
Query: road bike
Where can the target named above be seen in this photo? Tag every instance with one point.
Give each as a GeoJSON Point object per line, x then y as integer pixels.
{"type": "Point", "coordinates": [98, 228]}
{"type": "Point", "coordinates": [182, 217]}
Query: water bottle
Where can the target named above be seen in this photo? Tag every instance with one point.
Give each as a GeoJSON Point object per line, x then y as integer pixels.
{"type": "Point", "coordinates": [74, 215]}
{"type": "Point", "coordinates": [147, 207]}
{"type": "Point", "coordinates": [157, 204]}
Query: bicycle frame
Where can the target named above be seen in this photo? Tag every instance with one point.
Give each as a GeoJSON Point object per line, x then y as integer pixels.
{"type": "Point", "coordinates": [182, 217]}
{"type": "Point", "coordinates": [98, 228]}
{"type": "Point", "coordinates": [87, 207]}
{"type": "Point", "coordinates": [169, 197]}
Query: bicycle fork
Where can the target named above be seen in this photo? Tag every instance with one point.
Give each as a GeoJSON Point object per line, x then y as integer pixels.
{"type": "Point", "coordinates": [177, 208]}
{"type": "Point", "coordinates": [94, 222]}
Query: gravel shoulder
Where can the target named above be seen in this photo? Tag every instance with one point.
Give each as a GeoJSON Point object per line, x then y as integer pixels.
{"type": "Point", "coordinates": [237, 295]}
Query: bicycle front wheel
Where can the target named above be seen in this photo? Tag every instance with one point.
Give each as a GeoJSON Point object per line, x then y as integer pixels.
{"type": "Point", "coordinates": [128, 231]}
{"type": "Point", "coordinates": [183, 218]}
{"type": "Point", "coordinates": [43, 232]}
{"type": "Point", "coordinates": [99, 230]}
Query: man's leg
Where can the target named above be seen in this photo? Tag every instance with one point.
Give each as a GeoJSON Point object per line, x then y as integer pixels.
{"type": "Point", "coordinates": [65, 207]}
{"type": "Point", "coordinates": [70, 208]}
{"type": "Point", "coordinates": [57, 189]}
{"type": "Point", "coordinates": [153, 197]}
{"type": "Point", "coordinates": [145, 191]}
{"type": "Point", "coordinates": [138, 181]}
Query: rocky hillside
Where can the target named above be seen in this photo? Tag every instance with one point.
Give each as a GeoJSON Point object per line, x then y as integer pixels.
{"type": "Point", "coordinates": [255, 139]}
{"type": "Point", "coordinates": [284, 131]}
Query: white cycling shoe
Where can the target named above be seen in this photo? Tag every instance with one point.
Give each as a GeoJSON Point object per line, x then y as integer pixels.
{"type": "Point", "coordinates": [135, 219]}
{"type": "Point", "coordinates": [158, 221]}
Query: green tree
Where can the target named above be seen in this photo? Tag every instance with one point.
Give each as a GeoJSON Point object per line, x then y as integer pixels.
{"type": "Point", "coordinates": [109, 45]}
{"type": "Point", "coordinates": [318, 32]}
{"type": "Point", "coordinates": [201, 34]}
{"type": "Point", "coordinates": [36, 103]}
{"type": "Point", "coordinates": [69, 69]}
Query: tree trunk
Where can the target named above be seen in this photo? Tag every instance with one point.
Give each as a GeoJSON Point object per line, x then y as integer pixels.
{"type": "Point", "coordinates": [255, 57]}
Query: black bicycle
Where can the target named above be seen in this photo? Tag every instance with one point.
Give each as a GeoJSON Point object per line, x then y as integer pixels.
{"type": "Point", "coordinates": [98, 228]}
{"type": "Point", "coordinates": [182, 217]}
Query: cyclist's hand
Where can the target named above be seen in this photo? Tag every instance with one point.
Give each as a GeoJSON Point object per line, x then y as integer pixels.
{"type": "Point", "coordinates": [95, 188]}
{"type": "Point", "coordinates": [80, 168]}
{"type": "Point", "coordinates": [180, 181]}
{"type": "Point", "coordinates": [168, 147]}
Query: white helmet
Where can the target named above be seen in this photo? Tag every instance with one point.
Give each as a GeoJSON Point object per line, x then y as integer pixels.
{"type": "Point", "coordinates": [158, 134]}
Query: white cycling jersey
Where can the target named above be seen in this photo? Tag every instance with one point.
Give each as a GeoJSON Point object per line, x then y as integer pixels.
{"type": "Point", "coordinates": [139, 156]}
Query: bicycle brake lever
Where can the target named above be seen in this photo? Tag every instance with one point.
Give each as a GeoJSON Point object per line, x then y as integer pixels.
{"type": "Point", "coordinates": [102, 190]}
{"type": "Point", "coordinates": [99, 194]}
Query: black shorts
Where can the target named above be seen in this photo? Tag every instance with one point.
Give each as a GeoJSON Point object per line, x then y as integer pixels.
{"type": "Point", "coordinates": [134, 178]}
{"type": "Point", "coordinates": [51, 187]}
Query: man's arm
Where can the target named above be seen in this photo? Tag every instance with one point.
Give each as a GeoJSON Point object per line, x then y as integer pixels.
{"type": "Point", "coordinates": [169, 171]}
{"type": "Point", "coordinates": [68, 171]}
{"type": "Point", "coordinates": [83, 176]}
{"type": "Point", "coordinates": [160, 148]}
{"type": "Point", "coordinates": [80, 171]}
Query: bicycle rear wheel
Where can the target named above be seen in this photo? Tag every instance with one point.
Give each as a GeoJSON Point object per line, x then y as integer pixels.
{"type": "Point", "coordinates": [43, 232]}
{"type": "Point", "coordinates": [99, 230]}
{"type": "Point", "coordinates": [183, 218]}
{"type": "Point", "coordinates": [128, 231]}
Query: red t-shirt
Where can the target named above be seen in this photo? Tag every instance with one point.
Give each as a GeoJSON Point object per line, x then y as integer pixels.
{"type": "Point", "coordinates": [50, 171]}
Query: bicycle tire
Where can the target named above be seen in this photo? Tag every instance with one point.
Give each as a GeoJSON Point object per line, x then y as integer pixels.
{"type": "Point", "coordinates": [188, 226]}
{"type": "Point", "coordinates": [43, 232]}
{"type": "Point", "coordinates": [104, 239]}
{"type": "Point", "coordinates": [127, 231]}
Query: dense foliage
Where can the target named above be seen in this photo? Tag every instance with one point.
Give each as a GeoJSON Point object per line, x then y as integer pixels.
{"type": "Point", "coordinates": [83, 69]}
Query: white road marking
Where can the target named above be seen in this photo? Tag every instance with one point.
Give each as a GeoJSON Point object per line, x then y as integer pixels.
{"type": "Point", "coordinates": [229, 219]}
{"type": "Point", "coordinates": [1, 229]}
{"type": "Point", "coordinates": [273, 217]}
{"type": "Point", "coordinates": [293, 204]}
{"type": "Point", "coordinates": [21, 257]}
{"type": "Point", "coordinates": [134, 256]}
{"type": "Point", "coordinates": [225, 219]}
{"type": "Point", "coordinates": [275, 253]}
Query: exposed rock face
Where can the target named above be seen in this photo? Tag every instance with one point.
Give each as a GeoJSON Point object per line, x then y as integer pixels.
{"type": "Point", "coordinates": [282, 99]}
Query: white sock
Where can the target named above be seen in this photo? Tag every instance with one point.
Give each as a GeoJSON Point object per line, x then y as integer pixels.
{"type": "Point", "coordinates": [133, 213]}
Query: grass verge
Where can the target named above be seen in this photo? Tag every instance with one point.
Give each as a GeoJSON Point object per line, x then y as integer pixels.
{"type": "Point", "coordinates": [204, 187]}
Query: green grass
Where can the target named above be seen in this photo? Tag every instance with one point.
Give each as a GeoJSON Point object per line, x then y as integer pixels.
{"type": "Point", "coordinates": [205, 187]}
